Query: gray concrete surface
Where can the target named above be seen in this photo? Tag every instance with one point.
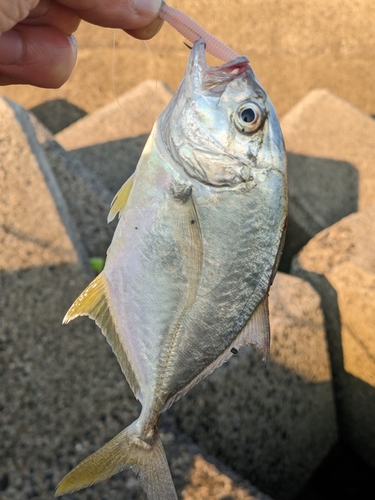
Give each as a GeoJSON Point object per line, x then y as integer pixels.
{"type": "Point", "coordinates": [274, 425]}
{"type": "Point", "coordinates": [87, 199]}
{"type": "Point", "coordinates": [57, 114]}
{"type": "Point", "coordinates": [294, 46]}
{"type": "Point", "coordinates": [331, 170]}
{"type": "Point", "coordinates": [340, 264]}
{"type": "Point", "coordinates": [62, 392]}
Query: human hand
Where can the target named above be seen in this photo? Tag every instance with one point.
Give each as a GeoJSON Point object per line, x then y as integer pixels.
{"type": "Point", "coordinates": [36, 41]}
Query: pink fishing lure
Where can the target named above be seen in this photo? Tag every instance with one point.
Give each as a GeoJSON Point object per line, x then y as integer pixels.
{"type": "Point", "coordinates": [193, 31]}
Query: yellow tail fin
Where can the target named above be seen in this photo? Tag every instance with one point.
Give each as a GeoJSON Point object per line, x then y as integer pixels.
{"type": "Point", "coordinates": [147, 461]}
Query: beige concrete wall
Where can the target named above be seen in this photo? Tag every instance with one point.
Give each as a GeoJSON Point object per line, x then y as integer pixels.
{"type": "Point", "coordinates": [294, 46]}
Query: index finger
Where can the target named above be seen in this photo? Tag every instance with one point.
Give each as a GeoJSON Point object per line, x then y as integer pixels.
{"type": "Point", "coordinates": [123, 14]}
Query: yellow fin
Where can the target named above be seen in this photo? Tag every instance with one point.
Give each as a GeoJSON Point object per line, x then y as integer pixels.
{"type": "Point", "coordinates": [119, 201]}
{"type": "Point", "coordinates": [127, 449]}
{"type": "Point", "coordinates": [93, 303]}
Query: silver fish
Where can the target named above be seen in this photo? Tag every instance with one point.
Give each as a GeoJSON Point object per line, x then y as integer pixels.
{"type": "Point", "coordinates": [187, 275]}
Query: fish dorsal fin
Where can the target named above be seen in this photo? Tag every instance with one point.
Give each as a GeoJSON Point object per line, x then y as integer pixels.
{"type": "Point", "coordinates": [119, 201]}
{"type": "Point", "coordinates": [93, 303]}
{"type": "Point", "coordinates": [256, 331]}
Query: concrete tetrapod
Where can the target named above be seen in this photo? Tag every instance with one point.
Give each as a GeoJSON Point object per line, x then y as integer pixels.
{"type": "Point", "coordinates": [340, 264]}
{"type": "Point", "coordinates": [330, 148]}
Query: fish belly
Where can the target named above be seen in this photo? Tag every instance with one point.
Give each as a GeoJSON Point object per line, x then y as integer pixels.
{"type": "Point", "coordinates": [188, 265]}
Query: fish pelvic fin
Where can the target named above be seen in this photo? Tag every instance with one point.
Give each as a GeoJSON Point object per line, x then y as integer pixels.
{"type": "Point", "coordinates": [126, 450]}
{"type": "Point", "coordinates": [119, 201]}
{"type": "Point", "coordinates": [93, 302]}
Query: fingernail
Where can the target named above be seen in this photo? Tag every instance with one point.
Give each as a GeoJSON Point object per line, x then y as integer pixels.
{"type": "Point", "coordinates": [147, 7]}
{"type": "Point", "coordinates": [73, 43]}
{"type": "Point", "coordinates": [11, 47]}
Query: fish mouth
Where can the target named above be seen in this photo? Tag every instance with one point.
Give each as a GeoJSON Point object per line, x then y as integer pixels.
{"type": "Point", "coordinates": [214, 79]}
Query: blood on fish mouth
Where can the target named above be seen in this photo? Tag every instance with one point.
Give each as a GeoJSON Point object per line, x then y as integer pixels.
{"type": "Point", "coordinates": [212, 76]}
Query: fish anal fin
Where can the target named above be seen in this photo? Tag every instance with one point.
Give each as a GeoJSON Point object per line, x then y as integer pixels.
{"type": "Point", "coordinates": [256, 331]}
{"type": "Point", "coordinates": [119, 201]}
{"type": "Point", "coordinates": [93, 302]}
{"type": "Point", "coordinates": [90, 303]}
{"type": "Point", "coordinates": [279, 251]}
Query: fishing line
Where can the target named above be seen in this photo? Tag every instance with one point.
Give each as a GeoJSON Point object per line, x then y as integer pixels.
{"type": "Point", "coordinates": [113, 79]}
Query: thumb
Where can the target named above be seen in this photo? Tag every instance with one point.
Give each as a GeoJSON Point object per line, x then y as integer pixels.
{"type": "Point", "coordinates": [39, 55]}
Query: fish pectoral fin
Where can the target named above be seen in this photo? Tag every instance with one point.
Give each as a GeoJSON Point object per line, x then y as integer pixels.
{"type": "Point", "coordinates": [93, 302]}
{"type": "Point", "coordinates": [119, 201]}
{"type": "Point", "coordinates": [257, 330]}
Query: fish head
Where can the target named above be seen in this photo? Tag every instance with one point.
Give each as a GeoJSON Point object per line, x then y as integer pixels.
{"type": "Point", "coordinates": [221, 126]}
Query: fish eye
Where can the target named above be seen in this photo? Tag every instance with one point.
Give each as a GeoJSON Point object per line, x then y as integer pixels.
{"type": "Point", "coordinates": [249, 117]}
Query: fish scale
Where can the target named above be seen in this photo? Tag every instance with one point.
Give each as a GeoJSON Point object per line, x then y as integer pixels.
{"type": "Point", "coordinates": [186, 280]}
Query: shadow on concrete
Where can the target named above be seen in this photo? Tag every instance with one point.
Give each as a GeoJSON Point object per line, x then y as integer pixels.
{"type": "Point", "coordinates": [355, 399]}
{"type": "Point", "coordinates": [321, 192]}
{"type": "Point", "coordinates": [355, 410]}
{"type": "Point", "coordinates": [63, 396]}
{"type": "Point", "coordinates": [57, 114]}
{"type": "Point", "coordinates": [343, 475]}
{"type": "Point", "coordinates": [86, 199]}
{"type": "Point", "coordinates": [263, 428]}
{"type": "Point", "coordinates": [62, 393]}
{"type": "Point", "coordinates": [113, 161]}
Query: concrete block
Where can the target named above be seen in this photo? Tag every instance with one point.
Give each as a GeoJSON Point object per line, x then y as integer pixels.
{"type": "Point", "coordinates": [273, 425]}
{"type": "Point", "coordinates": [62, 392]}
{"type": "Point", "coordinates": [331, 164]}
{"type": "Point", "coordinates": [87, 199]}
{"type": "Point", "coordinates": [57, 114]}
{"type": "Point", "coordinates": [340, 264]}
{"type": "Point", "coordinates": [110, 140]}
{"type": "Point", "coordinates": [208, 481]}
{"type": "Point", "coordinates": [35, 226]}
{"type": "Point", "coordinates": [294, 46]}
